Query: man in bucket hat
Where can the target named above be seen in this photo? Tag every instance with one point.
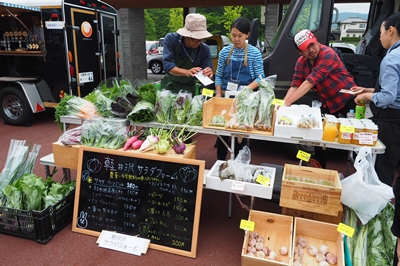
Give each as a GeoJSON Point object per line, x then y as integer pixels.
{"type": "Point", "coordinates": [185, 55]}
{"type": "Point", "coordinates": [320, 68]}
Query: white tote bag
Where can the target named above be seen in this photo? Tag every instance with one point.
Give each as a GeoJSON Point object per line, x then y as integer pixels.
{"type": "Point", "coordinates": [363, 191]}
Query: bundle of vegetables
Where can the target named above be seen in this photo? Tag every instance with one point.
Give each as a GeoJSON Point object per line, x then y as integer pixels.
{"type": "Point", "coordinates": [124, 105]}
{"type": "Point", "coordinates": [163, 107]}
{"type": "Point", "coordinates": [143, 111]}
{"type": "Point", "coordinates": [82, 108]}
{"type": "Point", "coordinates": [31, 192]}
{"type": "Point", "coordinates": [181, 107]}
{"type": "Point", "coordinates": [196, 111]}
{"type": "Point", "coordinates": [148, 92]}
{"type": "Point", "coordinates": [265, 108]}
{"type": "Point", "coordinates": [20, 160]}
{"type": "Point", "coordinates": [102, 103]}
{"type": "Point", "coordinates": [99, 133]}
{"type": "Point", "coordinates": [372, 244]}
{"type": "Point", "coordinates": [244, 109]}
{"type": "Point", "coordinates": [71, 136]}
{"type": "Point", "coordinates": [62, 110]}
{"type": "Point", "coordinates": [112, 88]}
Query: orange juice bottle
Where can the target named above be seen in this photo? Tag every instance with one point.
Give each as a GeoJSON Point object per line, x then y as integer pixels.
{"type": "Point", "coordinates": [330, 131]}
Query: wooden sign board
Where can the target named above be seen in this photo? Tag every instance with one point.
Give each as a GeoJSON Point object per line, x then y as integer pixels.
{"type": "Point", "coordinates": [146, 195]}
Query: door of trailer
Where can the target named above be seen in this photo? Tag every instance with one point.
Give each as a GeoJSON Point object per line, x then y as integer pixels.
{"type": "Point", "coordinates": [85, 42]}
{"type": "Point", "coordinates": [109, 46]}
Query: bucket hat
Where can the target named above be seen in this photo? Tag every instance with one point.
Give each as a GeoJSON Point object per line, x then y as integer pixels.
{"type": "Point", "coordinates": [195, 27]}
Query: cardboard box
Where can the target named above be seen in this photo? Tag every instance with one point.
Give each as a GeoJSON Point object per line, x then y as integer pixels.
{"type": "Point", "coordinates": [311, 197]}
{"type": "Point", "coordinates": [315, 216]}
{"type": "Point", "coordinates": [317, 234]}
{"type": "Point", "coordinates": [296, 114]}
{"type": "Point", "coordinates": [276, 230]}
{"type": "Point", "coordinates": [213, 181]}
{"type": "Point", "coordinates": [67, 156]}
{"type": "Point", "coordinates": [216, 105]}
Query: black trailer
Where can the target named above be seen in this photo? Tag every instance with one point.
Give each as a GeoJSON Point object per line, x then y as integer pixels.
{"type": "Point", "coordinates": [52, 47]}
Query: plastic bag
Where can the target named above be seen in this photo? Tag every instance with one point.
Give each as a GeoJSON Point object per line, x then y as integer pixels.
{"type": "Point", "coordinates": [363, 191]}
{"type": "Point", "coordinates": [265, 107]}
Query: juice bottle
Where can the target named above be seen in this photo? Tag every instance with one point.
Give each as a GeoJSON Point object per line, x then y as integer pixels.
{"type": "Point", "coordinates": [360, 110]}
{"type": "Point", "coordinates": [330, 131]}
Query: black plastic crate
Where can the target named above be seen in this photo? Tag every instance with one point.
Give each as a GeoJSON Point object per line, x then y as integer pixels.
{"type": "Point", "coordinates": [37, 225]}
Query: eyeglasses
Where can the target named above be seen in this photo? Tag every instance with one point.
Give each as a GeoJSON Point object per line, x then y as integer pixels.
{"type": "Point", "coordinates": [196, 40]}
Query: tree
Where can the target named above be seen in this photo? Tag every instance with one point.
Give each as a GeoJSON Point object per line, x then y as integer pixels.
{"type": "Point", "coordinates": [160, 17]}
{"type": "Point", "coordinates": [175, 19]}
{"type": "Point", "coordinates": [149, 26]}
{"type": "Point", "coordinates": [230, 14]}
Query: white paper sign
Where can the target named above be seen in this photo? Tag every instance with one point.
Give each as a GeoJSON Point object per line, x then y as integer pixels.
{"type": "Point", "coordinates": [237, 185]}
{"type": "Point", "coordinates": [203, 79]}
{"type": "Point", "coordinates": [54, 25]}
{"type": "Point", "coordinates": [123, 243]}
{"type": "Point", "coordinates": [86, 77]}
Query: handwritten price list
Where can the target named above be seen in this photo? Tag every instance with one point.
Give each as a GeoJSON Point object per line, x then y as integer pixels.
{"type": "Point", "coordinates": [153, 199]}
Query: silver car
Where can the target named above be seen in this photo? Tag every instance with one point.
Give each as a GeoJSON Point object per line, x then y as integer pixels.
{"type": "Point", "coordinates": [155, 63]}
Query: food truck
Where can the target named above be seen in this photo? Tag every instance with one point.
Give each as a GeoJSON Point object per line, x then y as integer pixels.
{"type": "Point", "coordinates": [52, 47]}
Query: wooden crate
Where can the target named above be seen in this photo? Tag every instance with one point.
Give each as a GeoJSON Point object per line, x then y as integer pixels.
{"type": "Point", "coordinates": [277, 232]}
{"type": "Point", "coordinates": [307, 196]}
{"type": "Point", "coordinates": [216, 105]}
{"type": "Point", "coordinates": [315, 216]}
{"type": "Point", "coordinates": [318, 233]}
{"type": "Point", "coordinates": [67, 156]}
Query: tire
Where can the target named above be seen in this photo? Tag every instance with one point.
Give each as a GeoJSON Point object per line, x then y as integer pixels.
{"type": "Point", "coordinates": [15, 109]}
{"type": "Point", "coordinates": [156, 67]}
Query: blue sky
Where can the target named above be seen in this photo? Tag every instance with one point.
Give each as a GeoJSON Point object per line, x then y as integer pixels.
{"type": "Point", "coordinates": [359, 8]}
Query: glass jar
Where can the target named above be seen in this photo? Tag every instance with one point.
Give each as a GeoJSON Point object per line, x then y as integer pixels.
{"type": "Point", "coordinates": [373, 130]}
{"type": "Point", "coordinates": [330, 131]}
{"type": "Point", "coordinates": [345, 132]}
{"type": "Point", "coordinates": [358, 128]}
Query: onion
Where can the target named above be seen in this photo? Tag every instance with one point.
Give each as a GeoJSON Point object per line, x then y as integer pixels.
{"type": "Point", "coordinates": [331, 258]}
{"type": "Point", "coordinates": [283, 250]}
{"type": "Point", "coordinates": [272, 255]}
{"type": "Point", "coordinates": [320, 257]}
{"type": "Point", "coordinates": [312, 250]}
{"type": "Point", "coordinates": [323, 249]}
{"type": "Point", "coordinates": [251, 249]}
{"type": "Point", "coordinates": [323, 263]}
{"type": "Point", "coordinates": [259, 246]}
{"type": "Point", "coordinates": [302, 242]}
{"type": "Point", "coordinates": [260, 254]}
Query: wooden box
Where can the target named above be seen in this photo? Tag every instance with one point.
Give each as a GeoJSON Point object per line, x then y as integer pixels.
{"type": "Point", "coordinates": [303, 188]}
{"type": "Point", "coordinates": [251, 189]}
{"type": "Point", "coordinates": [216, 105]}
{"type": "Point", "coordinates": [67, 156]}
{"type": "Point", "coordinates": [277, 232]}
{"type": "Point", "coordinates": [315, 216]}
{"type": "Point", "coordinates": [318, 233]}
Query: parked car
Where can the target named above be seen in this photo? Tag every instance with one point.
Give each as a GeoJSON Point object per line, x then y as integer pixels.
{"type": "Point", "coordinates": [216, 42]}
{"type": "Point", "coordinates": [151, 47]}
{"type": "Point", "coordinates": [155, 63]}
{"type": "Point", "coordinates": [344, 47]}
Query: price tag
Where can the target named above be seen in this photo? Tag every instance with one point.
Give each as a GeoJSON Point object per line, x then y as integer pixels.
{"type": "Point", "coordinates": [86, 77]}
{"type": "Point", "coordinates": [247, 225]}
{"type": "Point", "coordinates": [263, 180]}
{"type": "Point", "coordinates": [347, 129]}
{"type": "Point", "coordinates": [278, 102]}
{"type": "Point", "coordinates": [365, 138]}
{"type": "Point", "coordinates": [304, 156]}
{"type": "Point", "coordinates": [237, 185]}
{"type": "Point", "coordinates": [345, 229]}
{"type": "Point", "coordinates": [123, 243]}
{"type": "Point", "coordinates": [207, 92]}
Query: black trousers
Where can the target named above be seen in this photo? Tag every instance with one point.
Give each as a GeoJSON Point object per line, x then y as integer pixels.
{"type": "Point", "coordinates": [222, 150]}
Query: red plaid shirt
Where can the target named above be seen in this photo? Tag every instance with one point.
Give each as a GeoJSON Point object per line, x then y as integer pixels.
{"type": "Point", "coordinates": [328, 74]}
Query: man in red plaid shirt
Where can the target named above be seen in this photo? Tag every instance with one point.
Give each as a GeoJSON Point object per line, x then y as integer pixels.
{"type": "Point", "coordinates": [320, 68]}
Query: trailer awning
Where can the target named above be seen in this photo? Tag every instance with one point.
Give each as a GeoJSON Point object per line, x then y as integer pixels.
{"type": "Point", "coordinates": [30, 4]}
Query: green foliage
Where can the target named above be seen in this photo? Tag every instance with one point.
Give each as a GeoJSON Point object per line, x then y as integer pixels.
{"type": "Point", "coordinates": [149, 27]}
{"type": "Point", "coordinates": [176, 20]}
{"type": "Point", "coordinates": [219, 19]}
{"type": "Point", "coordinates": [230, 14]}
{"type": "Point", "coordinates": [353, 40]}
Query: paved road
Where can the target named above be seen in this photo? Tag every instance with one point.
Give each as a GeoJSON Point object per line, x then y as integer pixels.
{"type": "Point", "coordinates": [154, 77]}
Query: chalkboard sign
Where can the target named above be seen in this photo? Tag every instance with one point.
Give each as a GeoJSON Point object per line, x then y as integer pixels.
{"type": "Point", "coordinates": [142, 194]}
